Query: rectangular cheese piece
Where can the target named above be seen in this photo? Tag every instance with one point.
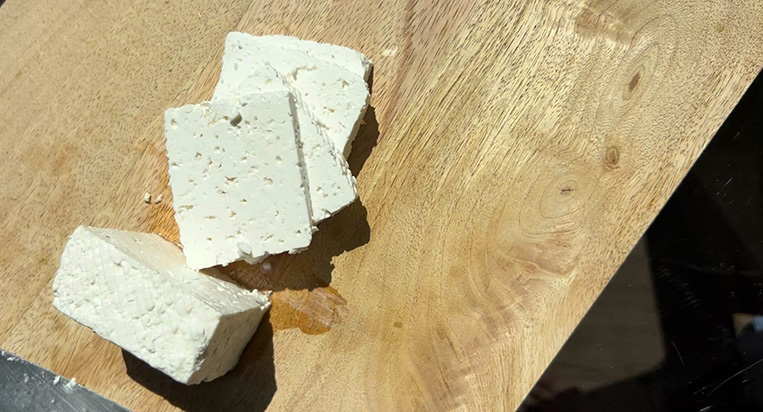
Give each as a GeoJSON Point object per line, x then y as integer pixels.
{"type": "Point", "coordinates": [330, 183]}
{"type": "Point", "coordinates": [352, 60]}
{"type": "Point", "coordinates": [135, 290]}
{"type": "Point", "coordinates": [237, 179]}
{"type": "Point", "coordinates": [335, 97]}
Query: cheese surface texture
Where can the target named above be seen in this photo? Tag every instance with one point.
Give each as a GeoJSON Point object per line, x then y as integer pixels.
{"type": "Point", "coordinates": [350, 59]}
{"type": "Point", "coordinates": [330, 183]}
{"type": "Point", "coordinates": [335, 97]}
{"type": "Point", "coordinates": [135, 290]}
{"type": "Point", "coordinates": [237, 179]}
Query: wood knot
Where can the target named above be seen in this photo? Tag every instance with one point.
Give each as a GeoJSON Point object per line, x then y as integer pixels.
{"type": "Point", "coordinates": [564, 195]}
{"type": "Point", "coordinates": [632, 86]}
{"type": "Point", "coordinates": [556, 200]}
{"type": "Point", "coordinates": [634, 81]}
{"type": "Point", "coordinates": [568, 187]}
{"type": "Point", "coordinates": [612, 157]}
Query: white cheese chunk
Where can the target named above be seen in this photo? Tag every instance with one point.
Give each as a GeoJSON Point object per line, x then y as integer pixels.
{"type": "Point", "coordinates": [237, 179]}
{"type": "Point", "coordinates": [335, 97]}
{"type": "Point", "coordinates": [135, 290]}
{"type": "Point", "coordinates": [352, 60]}
{"type": "Point", "coordinates": [329, 180]}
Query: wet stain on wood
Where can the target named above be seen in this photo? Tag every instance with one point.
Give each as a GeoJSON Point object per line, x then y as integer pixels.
{"type": "Point", "coordinates": [312, 311]}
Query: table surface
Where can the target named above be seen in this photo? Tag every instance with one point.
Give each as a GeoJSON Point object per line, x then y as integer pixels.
{"type": "Point", "coordinates": [514, 153]}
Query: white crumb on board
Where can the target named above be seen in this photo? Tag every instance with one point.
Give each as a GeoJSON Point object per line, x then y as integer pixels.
{"type": "Point", "coordinates": [158, 199]}
{"type": "Point", "coordinates": [147, 197]}
{"type": "Point", "coordinates": [69, 386]}
{"type": "Point", "coordinates": [8, 356]}
{"type": "Point", "coordinates": [389, 52]}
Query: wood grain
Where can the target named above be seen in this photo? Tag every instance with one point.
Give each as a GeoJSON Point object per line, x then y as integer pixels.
{"type": "Point", "coordinates": [514, 154]}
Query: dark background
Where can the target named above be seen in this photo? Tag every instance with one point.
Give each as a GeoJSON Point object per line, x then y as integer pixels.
{"type": "Point", "coordinates": [680, 326]}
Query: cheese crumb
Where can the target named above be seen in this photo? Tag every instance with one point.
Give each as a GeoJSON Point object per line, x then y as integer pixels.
{"type": "Point", "coordinates": [69, 386]}
{"type": "Point", "coordinates": [159, 199]}
{"type": "Point", "coordinates": [147, 197]}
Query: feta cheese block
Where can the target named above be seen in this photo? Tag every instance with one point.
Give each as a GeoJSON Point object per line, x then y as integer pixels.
{"type": "Point", "coordinates": [335, 97]}
{"type": "Point", "coordinates": [352, 60]}
{"type": "Point", "coordinates": [135, 290]}
{"type": "Point", "coordinates": [237, 179]}
{"type": "Point", "coordinates": [330, 183]}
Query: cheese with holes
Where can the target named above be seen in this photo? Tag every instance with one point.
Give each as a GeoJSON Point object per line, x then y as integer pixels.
{"type": "Point", "coordinates": [135, 290]}
{"type": "Point", "coordinates": [237, 180]}
{"type": "Point", "coordinates": [335, 97]}
{"type": "Point", "coordinates": [330, 183]}
{"type": "Point", "coordinates": [350, 59]}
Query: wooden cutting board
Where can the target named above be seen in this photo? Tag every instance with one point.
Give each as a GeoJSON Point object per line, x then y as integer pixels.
{"type": "Point", "coordinates": [513, 154]}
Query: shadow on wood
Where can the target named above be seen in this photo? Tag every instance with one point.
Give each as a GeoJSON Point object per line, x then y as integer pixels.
{"type": "Point", "coordinates": [250, 386]}
{"type": "Point", "coordinates": [365, 141]}
{"type": "Point", "coordinates": [312, 268]}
